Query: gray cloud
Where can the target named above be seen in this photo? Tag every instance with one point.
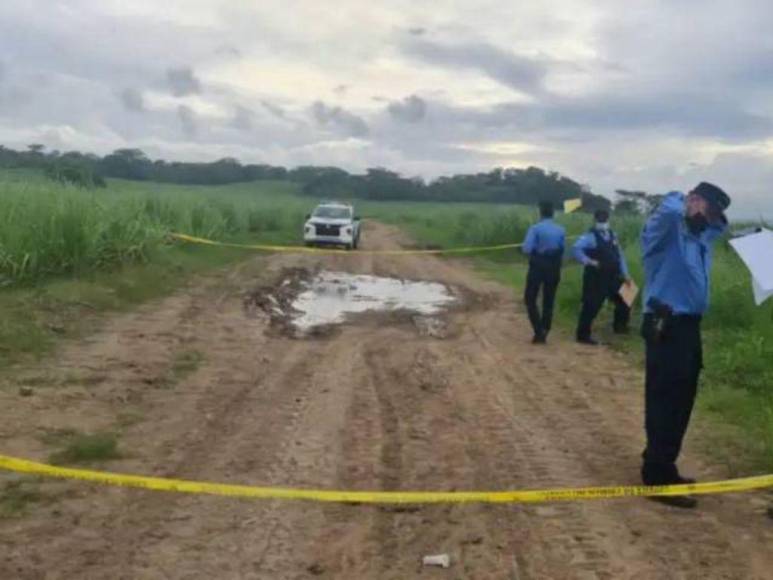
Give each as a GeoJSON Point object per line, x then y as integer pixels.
{"type": "Point", "coordinates": [274, 109]}
{"type": "Point", "coordinates": [569, 119]}
{"type": "Point", "coordinates": [339, 119]}
{"type": "Point", "coordinates": [132, 100]}
{"type": "Point", "coordinates": [228, 51]}
{"type": "Point", "coordinates": [625, 98]}
{"type": "Point", "coordinates": [243, 119]}
{"type": "Point", "coordinates": [686, 113]}
{"type": "Point", "coordinates": [58, 38]}
{"type": "Point", "coordinates": [188, 121]}
{"type": "Point", "coordinates": [411, 109]}
{"type": "Point", "coordinates": [182, 81]}
{"type": "Point", "coordinates": [524, 73]}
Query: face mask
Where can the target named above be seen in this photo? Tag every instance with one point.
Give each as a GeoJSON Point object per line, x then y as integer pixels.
{"type": "Point", "coordinates": [603, 227]}
{"type": "Point", "coordinates": [697, 224]}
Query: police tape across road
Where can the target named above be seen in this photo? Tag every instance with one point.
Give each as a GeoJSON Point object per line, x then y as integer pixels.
{"type": "Point", "coordinates": [306, 250]}
{"type": "Point", "coordinates": [379, 497]}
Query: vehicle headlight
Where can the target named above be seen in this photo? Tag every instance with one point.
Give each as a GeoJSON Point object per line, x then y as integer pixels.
{"type": "Point", "coordinates": [348, 230]}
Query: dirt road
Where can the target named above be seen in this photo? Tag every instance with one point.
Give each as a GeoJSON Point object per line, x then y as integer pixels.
{"type": "Point", "coordinates": [201, 388]}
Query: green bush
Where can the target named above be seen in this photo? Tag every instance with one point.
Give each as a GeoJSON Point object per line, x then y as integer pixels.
{"type": "Point", "coordinates": [71, 173]}
{"type": "Point", "coordinates": [87, 448]}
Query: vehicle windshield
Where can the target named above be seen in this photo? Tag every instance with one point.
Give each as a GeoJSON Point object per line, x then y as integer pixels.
{"type": "Point", "coordinates": [337, 213]}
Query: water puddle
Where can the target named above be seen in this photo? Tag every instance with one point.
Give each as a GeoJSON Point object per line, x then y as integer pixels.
{"type": "Point", "coordinates": [330, 297]}
{"type": "Point", "coordinates": [306, 304]}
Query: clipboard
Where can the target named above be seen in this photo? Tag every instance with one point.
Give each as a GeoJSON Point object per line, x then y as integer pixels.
{"type": "Point", "coordinates": [629, 292]}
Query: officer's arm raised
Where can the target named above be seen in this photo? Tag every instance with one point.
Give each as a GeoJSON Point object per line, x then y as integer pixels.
{"type": "Point", "coordinates": [664, 221]}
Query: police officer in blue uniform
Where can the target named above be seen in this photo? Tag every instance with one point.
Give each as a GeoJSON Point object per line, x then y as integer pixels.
{"type": "Point", "coordinates": [677, 245]}
{"type": "Point", "coordinates": [605, 271]}
{"type": "Point", "coordinates": [544, 244]}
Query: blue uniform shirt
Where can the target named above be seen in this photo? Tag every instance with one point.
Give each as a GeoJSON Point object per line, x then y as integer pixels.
{"type": "Point", "coordinates": [677, 263]}
{"type": "Point", "coordinates": [588, 242]}
{"type": "Point", "coordinates": [544, 237]}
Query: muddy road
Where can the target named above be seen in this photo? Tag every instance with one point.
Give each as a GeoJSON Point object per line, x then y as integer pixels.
{"type": "Point", "coordinates": [208, 385]}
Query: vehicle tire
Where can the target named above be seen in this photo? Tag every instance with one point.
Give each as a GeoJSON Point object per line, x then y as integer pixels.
{"type": "Point", "coordinates": [349, 247]}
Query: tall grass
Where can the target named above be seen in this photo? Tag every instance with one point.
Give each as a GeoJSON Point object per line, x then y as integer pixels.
{"type": "Point", "coordinates": [48, 229]}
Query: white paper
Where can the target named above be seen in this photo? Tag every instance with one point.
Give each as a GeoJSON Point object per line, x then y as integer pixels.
{"type": "Point", "coordinates": [756, 250]}
{"type": "Point", "coordinates": [760, 294]}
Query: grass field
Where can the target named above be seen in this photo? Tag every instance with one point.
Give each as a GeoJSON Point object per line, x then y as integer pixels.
{"type": "Point", "coordinates": [65, 253]}
{"type": "Point", "coordinates": [47, 229]}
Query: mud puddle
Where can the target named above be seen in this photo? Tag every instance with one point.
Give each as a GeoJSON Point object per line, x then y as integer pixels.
{"type": "Point", "coordinates": [305, 303]}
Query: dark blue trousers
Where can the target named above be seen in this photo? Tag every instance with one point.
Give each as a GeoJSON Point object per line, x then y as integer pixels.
{"type": "Point", "coordinates": [544, 276]}
{"type": "Point", "coordinates": [674, 360]}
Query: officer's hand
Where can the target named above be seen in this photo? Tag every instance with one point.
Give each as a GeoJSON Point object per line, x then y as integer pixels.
{"type": "Point", "coordinates": [593, 263]}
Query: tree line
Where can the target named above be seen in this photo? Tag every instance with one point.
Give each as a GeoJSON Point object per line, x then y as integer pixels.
{"type": "Point", "coordinates": [500, 185]}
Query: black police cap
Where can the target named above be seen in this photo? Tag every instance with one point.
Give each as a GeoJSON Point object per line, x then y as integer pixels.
{"type": "Point", "coordinates": [546, 208]}
{"type": "Point", "coordinates": [714, 195]}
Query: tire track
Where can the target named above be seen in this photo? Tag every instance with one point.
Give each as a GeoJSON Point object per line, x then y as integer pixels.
{"type": "Point", "coordinates": [599, 456]}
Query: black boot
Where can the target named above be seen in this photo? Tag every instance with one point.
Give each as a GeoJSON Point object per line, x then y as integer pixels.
{"type": "Point", "coordinates": [658, 475]}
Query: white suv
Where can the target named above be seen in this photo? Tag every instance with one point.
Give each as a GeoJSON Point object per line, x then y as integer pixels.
{"type": "Point", "coordinates": [332, 223]}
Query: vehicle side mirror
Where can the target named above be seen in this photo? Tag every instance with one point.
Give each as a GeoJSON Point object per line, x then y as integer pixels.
{"type": "Point", "coordinates": [308, 216]}
{"type": "Point", "coordinates": [357, 218]}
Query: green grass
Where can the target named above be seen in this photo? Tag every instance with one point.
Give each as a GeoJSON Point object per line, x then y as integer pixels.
{"type": "Point", "coordinates": [49, 230]}
{"type": "Point", "coordinates": [186, 363]}
{"type": "Point", "coordinates": [17, 496]}
{"type": "Point", "coordinates": [83, 447]}
{"type": "Point", "coordinates": [67, 255]}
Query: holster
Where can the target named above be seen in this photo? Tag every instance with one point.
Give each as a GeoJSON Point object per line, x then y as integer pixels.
{"type": "Point", "coordinates": [657, 322]}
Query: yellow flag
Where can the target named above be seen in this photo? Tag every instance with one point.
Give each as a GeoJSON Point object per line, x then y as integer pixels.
{"type": "Point", "coordinates": [571, 205]}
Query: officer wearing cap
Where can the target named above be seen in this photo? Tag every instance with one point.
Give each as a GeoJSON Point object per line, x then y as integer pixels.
{"type": "Point", "coordinates": [544, 244]}
{"type": "Point", "coordinates": [677, 244]}
{"type": "Point", "coordinates": [605, 271]}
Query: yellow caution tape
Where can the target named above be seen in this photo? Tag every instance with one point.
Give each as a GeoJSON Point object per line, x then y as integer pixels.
{"type": "Point", "coordinates": [304, 249]}
{"type": "Point", "coordinates": [379, 497]}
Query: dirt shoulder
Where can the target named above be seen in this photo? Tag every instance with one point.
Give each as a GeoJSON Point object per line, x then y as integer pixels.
{"type": "Point", "coordinates": [199, 386]}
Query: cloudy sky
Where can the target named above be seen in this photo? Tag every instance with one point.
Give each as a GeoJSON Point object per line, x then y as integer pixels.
{"type": "Point", "coordinates": [640, 94]}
